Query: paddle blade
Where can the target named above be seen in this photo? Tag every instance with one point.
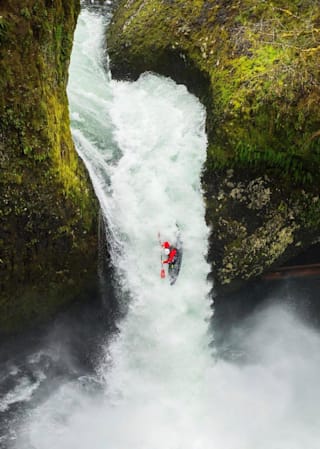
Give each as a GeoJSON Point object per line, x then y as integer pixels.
{"type": "Point", "coordinates": [162, 273]}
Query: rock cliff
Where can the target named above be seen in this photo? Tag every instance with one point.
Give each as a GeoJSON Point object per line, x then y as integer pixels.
{"type": "Point", "coordinates": [48, 210]}
{"type": "Point", "coordinates": [255, 67]}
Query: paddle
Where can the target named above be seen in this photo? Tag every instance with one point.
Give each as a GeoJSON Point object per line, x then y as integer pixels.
{"type": "Point", "coordinates": [162, 271]}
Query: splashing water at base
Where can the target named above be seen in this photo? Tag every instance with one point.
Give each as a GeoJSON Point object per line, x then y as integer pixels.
{"type": "Point", "coordinates": [144, 144]}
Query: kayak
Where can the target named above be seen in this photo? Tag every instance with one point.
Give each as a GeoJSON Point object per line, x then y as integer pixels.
{"type": "Point", "coordinates": [174, 268]}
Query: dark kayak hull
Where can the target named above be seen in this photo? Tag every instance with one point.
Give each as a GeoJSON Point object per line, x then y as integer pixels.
{"type": "Point", "coordinates": [174, 268]}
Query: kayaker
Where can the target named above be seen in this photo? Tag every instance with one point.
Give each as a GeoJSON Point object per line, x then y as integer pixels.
{"type": "Point", "coordinates": [171, 252]}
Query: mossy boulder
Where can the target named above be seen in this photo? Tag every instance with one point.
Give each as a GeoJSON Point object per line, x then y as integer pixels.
{"type": "Point", "coordinates": [255, 67]}
{"type": "Point", "coordinates": [48, 210]}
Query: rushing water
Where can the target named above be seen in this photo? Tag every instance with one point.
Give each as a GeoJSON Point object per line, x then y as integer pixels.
{"type": "Point", "coordinates": [157, 384]}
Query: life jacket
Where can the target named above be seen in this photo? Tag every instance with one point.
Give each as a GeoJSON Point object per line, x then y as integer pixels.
{"type": "Point", "coordinates": [172, 255]}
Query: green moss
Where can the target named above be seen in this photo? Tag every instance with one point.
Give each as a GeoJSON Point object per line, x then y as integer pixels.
{"type": "Point", "coordinates": [261, 63]}
{"type": "Point", "coordinates": [48, 211]}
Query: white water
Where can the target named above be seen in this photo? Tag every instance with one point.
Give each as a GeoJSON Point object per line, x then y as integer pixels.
{"type": "Point", "coordinates": [144, 144]}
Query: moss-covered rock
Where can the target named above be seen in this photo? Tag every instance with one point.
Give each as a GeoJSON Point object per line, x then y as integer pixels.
{"type": "Point", "coordinates": [255, 66]}
{"type": "Point", "coordinates": [48, 211]}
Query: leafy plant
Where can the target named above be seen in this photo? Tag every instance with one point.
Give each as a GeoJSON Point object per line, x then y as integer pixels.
{"type": "Point", "coordinates": [3, 28]}
{"type": "Point", "coordinates": [25, 12]}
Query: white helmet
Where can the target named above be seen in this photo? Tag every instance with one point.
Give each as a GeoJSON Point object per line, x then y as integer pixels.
{"type": "Point", "coordinates": [167, 251]}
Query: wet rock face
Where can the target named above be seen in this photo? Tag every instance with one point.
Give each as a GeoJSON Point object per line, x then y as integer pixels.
{"type": "Point", "coordinates": [255, 68]}
{"type": "Point", "coordinates": [258, 224]}
{"type": "Point", "coordinates": [48, 210]}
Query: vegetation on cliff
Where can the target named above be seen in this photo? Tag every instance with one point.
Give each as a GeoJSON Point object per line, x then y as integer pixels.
{"type": "Point", "coordinates": [48, 211]}
{"type": "Point", "coordinates": [255, 67]}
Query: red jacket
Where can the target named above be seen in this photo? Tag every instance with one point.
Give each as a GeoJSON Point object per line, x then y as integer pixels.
{"type": "Point", "coordinates": [172, 255]}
